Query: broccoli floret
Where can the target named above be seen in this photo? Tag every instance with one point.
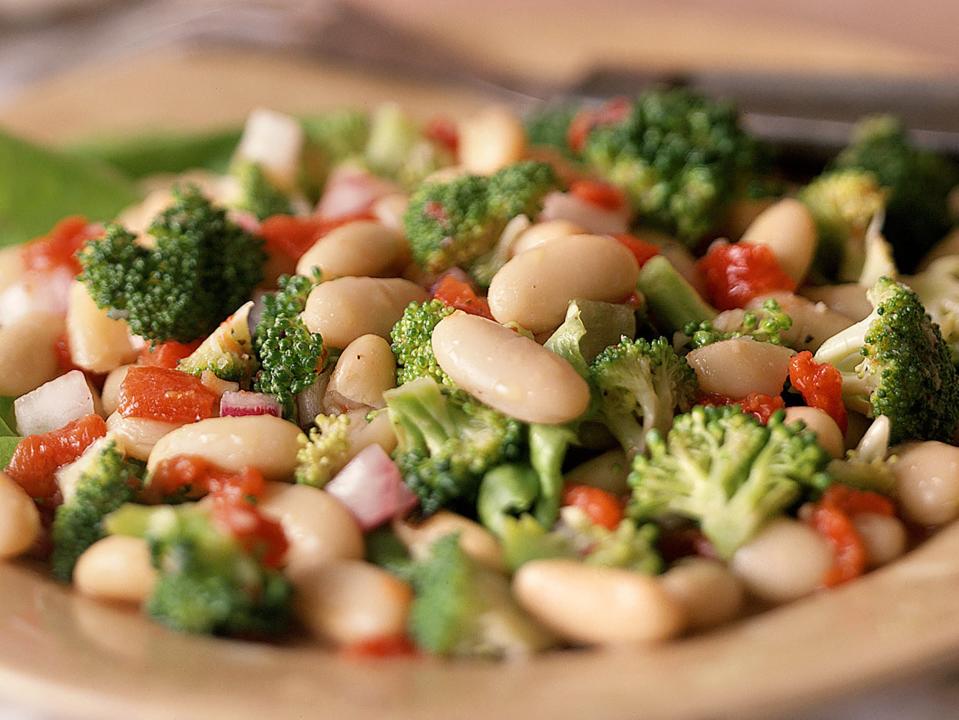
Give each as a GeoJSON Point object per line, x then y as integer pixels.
{"type": "Point", "coordinates": [640, 384]}
{"type": "Point", "coordinates": [447, 441]}
{"type": "Point", "coordinates": [519, 189]}
{"type": "Point", "coordinates": [257, 194]}
{"type": "Point", "coordinates": [397, 149]}
{"type": "Point", "coordinates": [868, 466]}
{"type": "Point", "coordinates": [202, 268]}
{"type": "Point", "coordinates": [288, 353]}
{"type": "Point", "coordinates": [895, 363]}
{"type": "Point", "coordinates": [766, 325]}
{"type": "Point", "coordinates": [938, 289]}
{"type": "Point", "coordinates": [207, 581]}
{"type": "Point", "coordinates": [227, 352]}
{"type": "Point", "coordinates": [919, 183]}
{"type": "Point", "coordinates": [842, 203]}
{"type": "Point", "coordinates": [464, 609]}
{"type": "Point", "coordinates": [108, 480]}
{"type": "Point", "coordinates": [673, 301]}
{"type": "Point", "coordinates": [324, 452]}
{"type": "Point", "coordinates": [549, 127]}
{"type": "Point", "coordinates": [680, 157]}
{"type": "Point", "coordinates": [727, 471]}
{"type": "Point", "coordinates": [412, 342]}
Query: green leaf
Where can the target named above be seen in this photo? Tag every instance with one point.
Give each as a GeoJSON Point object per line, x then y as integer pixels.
{"type": "Point", "coordinates": [7, 445]}
{"type": "Point", "coordinates": [39, 186]}
{"type": "Point", "coordinates": [8, 421]}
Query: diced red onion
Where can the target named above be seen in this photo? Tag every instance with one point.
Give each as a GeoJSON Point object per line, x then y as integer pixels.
{"type": "Point", "coordinates": [54, 404]}
{"type": "Point", "coordinates": [351, 190]}
{"type": "Point", "coordinates": [241, 402]}
{"type": "Point", "coordinates": [593, 219]}
{"type": "Point", "coordinates": [372, 488]}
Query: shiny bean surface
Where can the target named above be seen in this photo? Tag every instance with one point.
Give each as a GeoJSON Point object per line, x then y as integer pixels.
{"type": "Point", "coordinates": [475, 540]}
{"type": "Point", "coordinates": [787, 228]}
{"type": "Point", "coordinates": [97, 342]}
{"type": "Point", "coordinates": [111, 388]}
{"type": "Point", "coordinates": [848, 299]}
{"type": "Point", "coordinates": [19, 519]}
{"type": "Point", "coordinates": [812, 322]}
{"type": "Point", "coordinates": [361, 248]}
{"type": "Point", "coordinates": [544, 232]}
{"type": "Point", "coordinates": [884, 537]}
{"type": "Point", "coordinates": [826, 430]}
{"type": "Point", "coordinates": [927, 482]}
{"type": "Point", "coordinates": [27, 357]}
{"type": "Point", "coordinates": [116, 568]}
{"type": "Point", "coordinates": [741, 366]}
{"type": "Point", "coordinates": [709, 593]}
{"type": "Point", "coordinates": [138, 435]}
{"type": "Point", "coordinates": [364, 371]}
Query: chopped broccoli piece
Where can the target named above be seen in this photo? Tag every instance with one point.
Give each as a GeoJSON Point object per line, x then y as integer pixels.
{"type": "Point", "coordinates": [766, 325]}
{"type": "Point", "coordinates": [257, 194]}
{"type": "Point", "coordinates": [895, 363]}
{"type": "Point", "coordinates": [874, 475]}
{"type": "Point", "coordinates": [107, 481]}
{"type": "Point", "coordinates": [506, 490]}
{"type": "Point", "coordinates": [227, 352]}
{"type": "Point", "coordinates": [589, 328]}
{"type": "Point", "coordinates": [727, 471]}
{"type": "Point", "coordinates": [519, 189]}
{"type": "Point", "coordinates": [207, 582]}
{"type": "Point", "coordinates": [938, 289]}
{"type": "Point", "coordinates": [288, 353]}
{"type": "Point", "coordinates": [877, 255]}
{"type": "Point", "coordinates": [680, 157]}
{"type": "Point", "coordinates": [640, 384]}
{"type": "Point", "coordinates": [547, 451]}
{"type": "Point", "coordinates": [464, 609]}
{"type": "Point", "coordinates": [397, 148]}
{"type": "Point", "coordinates": [385, 549]}
{"type": "Point", "coordinates": [203, 267]}
{"type": "Point", "coordinates": [919, 183]}
{"type": "Point", "coordinates": [447, 441]}
{"type": "Point", "coordinates": [549, 127]}
{"type": "Point", "coordinates": [412, 342]}
{"type": "Point", "coordinates": [672, 300]}
{"type": "Point", "coordinates": [324, 452]}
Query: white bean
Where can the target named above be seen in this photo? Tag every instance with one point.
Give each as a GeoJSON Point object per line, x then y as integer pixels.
{"type": "Point", "coordinates": [138, 435]}
{"type": "Point", "coordinates": [741, 366]}
{"type": "Point", "coordinates": [824, 427]}
{"type": "Point", "coordinates": [364, 371]}
{"type": "Point", "coordinates": [350, 307]}
{"type": "Point", "coordinates": [98, 343]}
{"type": "Point", "coordinates": [607, 471]}
{"type": "Point", "coordinates": [785, 561]}
{"type": "Point", "coordinates": [544, 232]}
{"type": "Point", "coordinates": [19, 519]}
{"type": "Point", "coordinates": [111, 388]}
{"type": "Point", "coordinates": [12, 267]}
{"type": "Point", "coordinates": [361, 248]}
{"type": "Point", "coordinates": [318, 527]}
{"type": "Point", "coordinates": [927, 482]}
{"type": "Point", "coordinates": [884, 537]}
{"type": "Point", "coordinates": [597, 605]}
{"type": "Point", "coordinates": [27, 357]}
{"type": "Point", "coordinates": [116, 568]}
{"type": "Point", "coordinates": [264, 442]}
{"type": "Point", "coordinates": [475, 540]}
{"type": "Point", "coordinates": [363, 433]}
{"type": "Point", "coordinates": [490, 140]}
{"type": "Point", "coordinates": [349, 601]}
{"type": "Point", "coordinates": [812, 322]}
{"type": "Point", "coordinates": [788, 229]}
{"type": "Point", "coordinates": [508, 371]}
{"type": "Point", "coordinates": [534, 288]}
{"type": "Point", "coordinates": [710, 594]}
{"type": "Point", "coordinates": [848, 299]}
{"type": "Point", "coordinates": [741, 213]}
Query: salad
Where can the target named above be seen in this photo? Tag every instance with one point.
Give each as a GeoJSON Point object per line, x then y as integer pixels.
{"type": "Point", "coordinates": [479, 388]}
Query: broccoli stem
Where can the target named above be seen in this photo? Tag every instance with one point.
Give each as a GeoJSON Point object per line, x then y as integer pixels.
{"type": "Point", "coordinates": [672, 299]}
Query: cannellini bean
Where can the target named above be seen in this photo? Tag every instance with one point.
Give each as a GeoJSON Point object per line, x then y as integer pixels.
{"type": "Point", "coordinates": [788, 229]}
{"type": "Point", "coordinates": [98, 343]}
{"type": "Point", "coordinates": [262, 441]}
{"type": "Point", "coordinates": [475, 540]}
{"type": "Point", "coordinates": [534, 288]}
{"type": "Point", "coordinates": [508, 371]}
{"type": "Point", "coordinates": [490, 140]}
{"type": "Point", "coordinates": [27, 357]}
{"type": "Point", "coordinates": [884, 537]}
{"type": "Point", "coordinates": [19, 519]}
{"type": "Point", "coordinates": [813, 323]}
{"type": "Point", "coordinates": [349, 601]}
{"type": "Point", "coordinates": [389, 210]}
{"type": "Point", "coordinates": [741, 366]}
{"type": "Point", "coordinates": [347, 308]}
{"type": "Point", "coordinates": [706, 589]}
{"type": "Point", "coordinates": [543, 232]}
{"type": "Point", "coordinates": [597, 605]}
{"type": "Point", "coordinates": [364, 371]}
{"type": "Point", "coordinates": [116, 568]}
{"type": "Point", "coordinates": [363, 433]}
{"type": "Point", "coordinates": [138, 435]}
{"type": "Point", "coordinates": [607, 471]}
{"type": "Point", "coordinates": [927, 482]}
{"type": "Point", "coordinates": [847, 299]}
{"type": "Point", "coordinates": [361, 248]}
{"type": "Point", "coordinates": [11, 266]}
{"type": "Point", "coordinates": [742, 213]}
{"type": "Point", "coordinates": [825, 428]}
{"type": "Point", "coordinates": [111, 388]}
{"type": "Point", "coordinates": [318, 527]}
{"type": "Point", "coordinates": [785, 561]}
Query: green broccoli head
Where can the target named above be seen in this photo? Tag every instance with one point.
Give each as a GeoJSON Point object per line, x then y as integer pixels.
{"type": "Point", "coordinates": [289, 354]}
{"type": "Point", "coordinates": [895, 363]}
{"type": "Point", "coordinates": [463, 609]}
{"type": "Point", "coordinates": [549, 127]}
{"type": "Point", "coordinates": [107, 481]}
{"type": "Point", "coordinates": [843, 203]}
{"type": "Point", "coordinates": [412, 342]}
{"type": "Point", "coordinates": [324, 452]}
{"type": "Point", "coordinates": [202, 268]}
{"type": "Point", "coordinates": [680, 158]}
{"type": "Point", "coordinates": [938, 289]}
{"type": "Point", "coordinates": [919, 183]}
{"type": "Point", "coordinates": [765, 325]}
{"type": "Point", "coordinates": [207, 582]}
{"type": "Point", "coordinates": [519, 189]}
{"type": "Point", "coordinates": [727, 471]}
{"type": "Point", "coordinates": [257, 194]}
{"type": "Point", "coordinates": [447, 441]}
{"type": "Point", "coordinates": [227, 352]}
{"type": "Point", "coordinates": [640, 384]}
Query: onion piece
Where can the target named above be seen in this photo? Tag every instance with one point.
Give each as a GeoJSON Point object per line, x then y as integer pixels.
{"type": "Point", "coordinates": [593, 219]}
{"type": "Point", "coordinates": [54, 404]}
{"type": "Point", "coordinates": [351, 190]}
{"type": "Point", "coordinates": [372, 488]}
{"type": "Point", "coordinates": [241, 402]}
